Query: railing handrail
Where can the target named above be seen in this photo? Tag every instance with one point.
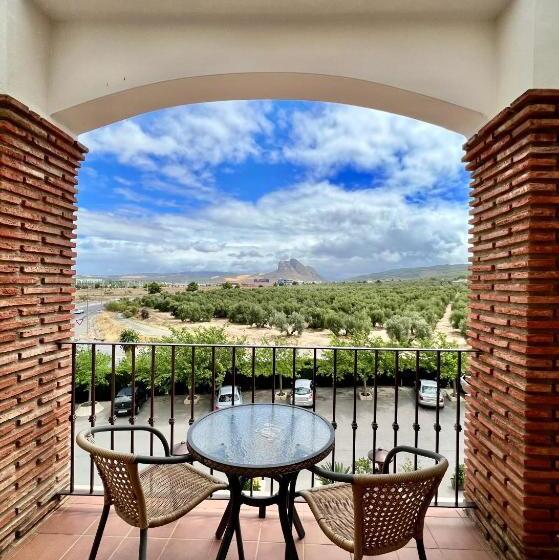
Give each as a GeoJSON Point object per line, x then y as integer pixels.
{"type": "Point", "coordinates": [263, 346]}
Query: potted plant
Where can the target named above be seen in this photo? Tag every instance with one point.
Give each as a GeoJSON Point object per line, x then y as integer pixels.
{"type": "Point", "coordinates": [457, 478]}
{"type": "Point", "coordinates": [336, 467]}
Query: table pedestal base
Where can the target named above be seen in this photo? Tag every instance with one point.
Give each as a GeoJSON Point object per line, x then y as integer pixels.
{"type": "Point", "coordinates": [284, 499]}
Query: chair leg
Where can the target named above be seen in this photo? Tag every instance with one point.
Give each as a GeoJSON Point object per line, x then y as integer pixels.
{"type": "Point", "coordinates": [421, 549]}
{"type": "Point", "coordinates": [99, 532]}
{"type": "Point", "coordinates": [224, 520]}
{"type": "Point", "coordinates": [143, 544]}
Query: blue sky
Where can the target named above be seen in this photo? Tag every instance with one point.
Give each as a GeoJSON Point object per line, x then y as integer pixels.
{"type": "Point", "coordinates": [238, 185]}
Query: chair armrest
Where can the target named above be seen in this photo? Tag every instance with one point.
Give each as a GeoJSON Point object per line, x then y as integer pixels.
{"type": "Point", "coordinates": [414, 451]}
{"type": "Point", "coordinates": [331, 475]}
{"type": "Point", "coordinates": [172, 460]}
{"type": "Point", "coordinates": [155, 432]}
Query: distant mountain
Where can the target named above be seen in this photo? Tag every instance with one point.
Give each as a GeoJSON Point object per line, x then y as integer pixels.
{"type": "Point", "coordinates": [446, 271]}
{"type": "Point", "coordinates": [291, 269]}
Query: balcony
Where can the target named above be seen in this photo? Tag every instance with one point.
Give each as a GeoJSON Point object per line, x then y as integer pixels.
{"type": "Point", "coordinates": [68, 534]}
{"type": "Point", "coordinates": [390, 415]}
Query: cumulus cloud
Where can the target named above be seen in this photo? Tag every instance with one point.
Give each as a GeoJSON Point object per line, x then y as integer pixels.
{"type": "Point", "coordinates": [340, 232]}
{"type": "Point", "coordinates": [184, 144]}
{"type": "Point", "coordinates": [409, 155]}
{"type": "Point", "coordinates": [408, 208]}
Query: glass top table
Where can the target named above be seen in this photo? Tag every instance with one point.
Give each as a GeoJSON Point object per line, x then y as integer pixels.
{"type": "Point", "coordinates": [251, 440]}
{"type": "Point", "coordinates": [260, 439]}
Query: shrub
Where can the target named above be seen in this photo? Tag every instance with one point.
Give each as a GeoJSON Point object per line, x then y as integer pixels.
{"type": "Point", "coordinates": [153, 288]}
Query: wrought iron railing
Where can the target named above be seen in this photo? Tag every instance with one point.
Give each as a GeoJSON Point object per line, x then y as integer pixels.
{"type": "Point", "coordinates": [335, 373]}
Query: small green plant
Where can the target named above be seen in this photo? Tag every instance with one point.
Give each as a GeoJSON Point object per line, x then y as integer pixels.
{"type": "Point", "coordinates": [408, 466]}
{"type": "Point", "coordinates": [336, 467]}
{"type": "Point", "coordinates": [363, 466]}
{"type": "Point", "coordinates": [256, 484]}
{"type": "Point", "coordinates": [459, 481]}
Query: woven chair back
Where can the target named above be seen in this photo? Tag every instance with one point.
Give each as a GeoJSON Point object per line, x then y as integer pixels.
{"type": "Point", "coordinates": [390, 509]}
{"type": "Point", "coordinates": [119, 474]}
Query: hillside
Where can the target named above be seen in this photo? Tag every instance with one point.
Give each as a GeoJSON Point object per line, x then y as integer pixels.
{"type": "Point", "coordinates": [442, 271]}
{"type": "Point", "coordinates": [291, 269]}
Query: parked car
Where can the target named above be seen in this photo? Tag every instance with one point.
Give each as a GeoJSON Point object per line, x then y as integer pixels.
{"type": "Point", "coordinates": [123, 400]}
{"type": "Point", "coordinates": [225, 397]}
{"type": "Point", "coordinates": [303, 392]}
{"type": "Point", "coordinates": [78, 311]}
{"type": "Point", "coordinates": [427, 394]}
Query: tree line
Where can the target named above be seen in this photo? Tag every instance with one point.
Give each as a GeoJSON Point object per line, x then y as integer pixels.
{"type": "Point", "coordinates": [407, 310]}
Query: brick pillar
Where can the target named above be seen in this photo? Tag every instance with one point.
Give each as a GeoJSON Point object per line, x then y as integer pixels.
{"type": "Point", "coordinates": [38, 165]}
{"type": "Point", "coordinates": [512, 430]}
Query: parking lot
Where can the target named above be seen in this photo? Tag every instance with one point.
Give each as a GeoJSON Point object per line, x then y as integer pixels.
{"type": "Point", "coordinates": [324, 406]}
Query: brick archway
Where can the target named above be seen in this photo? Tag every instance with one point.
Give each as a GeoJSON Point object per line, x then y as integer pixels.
{"type": "Point", "coordinates": [513, 418]}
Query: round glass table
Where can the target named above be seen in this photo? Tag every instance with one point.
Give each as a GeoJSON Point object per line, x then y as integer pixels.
{"type": "Point", "coordinates": [252, 440]}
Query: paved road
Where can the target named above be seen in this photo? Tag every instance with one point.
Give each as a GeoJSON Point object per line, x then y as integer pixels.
{"type": "Point", "coordinates": [324, 405]}
{"type": "Point", "coordinates": [84, 328]}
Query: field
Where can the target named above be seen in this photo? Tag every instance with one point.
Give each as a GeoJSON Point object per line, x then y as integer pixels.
{"type": "Point", "coordinates": [404, 311]}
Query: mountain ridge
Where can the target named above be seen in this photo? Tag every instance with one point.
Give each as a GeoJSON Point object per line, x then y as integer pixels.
{"type": "Point", "coordinates": [448, 271]}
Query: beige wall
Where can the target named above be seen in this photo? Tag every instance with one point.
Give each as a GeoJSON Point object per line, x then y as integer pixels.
{"type": "Point", "coordinates": [455, 72]}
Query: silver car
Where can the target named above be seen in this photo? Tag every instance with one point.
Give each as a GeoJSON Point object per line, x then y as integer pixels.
{"type": "Point", "coordinates": [303, 392]}
{"type": "Point", "coordinates": [224, 397]}
{"type": "Point", "coordinates": [427, 394]}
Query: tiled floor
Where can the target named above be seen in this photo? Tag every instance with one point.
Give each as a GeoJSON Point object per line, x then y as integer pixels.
{"type": "Point", "coordinates": [67, 534]}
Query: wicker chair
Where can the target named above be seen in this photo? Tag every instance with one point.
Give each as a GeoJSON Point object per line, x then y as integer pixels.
{"type": "Point", "coordinates": [163, 492]}
{"type": "Point", "coordinates": [372, 514]}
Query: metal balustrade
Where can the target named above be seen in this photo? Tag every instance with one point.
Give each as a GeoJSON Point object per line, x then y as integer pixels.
{"type": "Point", "coordinates": [329, 378]}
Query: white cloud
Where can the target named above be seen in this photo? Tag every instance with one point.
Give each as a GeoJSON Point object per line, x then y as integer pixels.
{"type": "Point", "coordinates": [410, 155]}
{"type": "Point", "coordinates": [184, 144]}
{"type": "Point", "coordinates": [340, 232]}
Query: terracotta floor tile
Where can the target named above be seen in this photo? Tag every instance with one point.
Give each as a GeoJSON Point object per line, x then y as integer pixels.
{"type": "Point", "coordinates": [69, 522]}
{"type": "Point", "coordinates": [128, 549]}
{"type": "Point", "coordinates": [325, 552]}
{"type": "Point", "coordinates": [455, 534]}
{"type": "Point", "coordinates": [183, 549]}
{"type": "Point", "coordinates": [249, 547]}
{"type": "Point", "coordinates": [196, 525]}
{"type": "Point", "coordinates": [467, 554]}
{"type": "Point", "coordinates": [44, 547]}
{"type": "Point", "coordinates": [97, 500]}
{"type": "Point", "coordinates": [411, 554]}
{"type": "Point", "coordinates": [82, 548]}
{"type": "Point", "coordinates": [428, 540]}
{"type": "Point", "coordinates": [163, 532]}
{"type": "Point", "coordinates": [115, 527]}
{"type": "Point", "coordinates": [442, 512]}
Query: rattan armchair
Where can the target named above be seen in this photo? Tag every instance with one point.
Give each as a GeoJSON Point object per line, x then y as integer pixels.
{"type": "Point", "coordinates": [372, 514]}
{"type": "Point", "coordinates": [161, 493]}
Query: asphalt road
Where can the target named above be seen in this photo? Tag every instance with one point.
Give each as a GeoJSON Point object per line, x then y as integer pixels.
{"type": "Point", "coordinates": [324, 406]}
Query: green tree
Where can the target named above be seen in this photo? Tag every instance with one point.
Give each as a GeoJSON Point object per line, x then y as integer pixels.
{"type": "Point", "coordinates": [358, 323]}
{"type": "Point", "coordinates": [192, 287]}
{"type": "Point", "coordinates": [257, 316]}
{"type": "Point", "coordinates": [128, 336]}
{"type": "Point", "coordinates": [84, 369]}
{"type": "Point", "coordinates": [153, 288]}
{"type": "Point", "coordinates": [398, 328]}
{"type": "Point", "coordinates": [334, 322]}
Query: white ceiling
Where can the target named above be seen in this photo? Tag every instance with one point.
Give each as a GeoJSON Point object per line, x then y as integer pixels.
{"type": "Point", "coordinates": [472, 10]}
